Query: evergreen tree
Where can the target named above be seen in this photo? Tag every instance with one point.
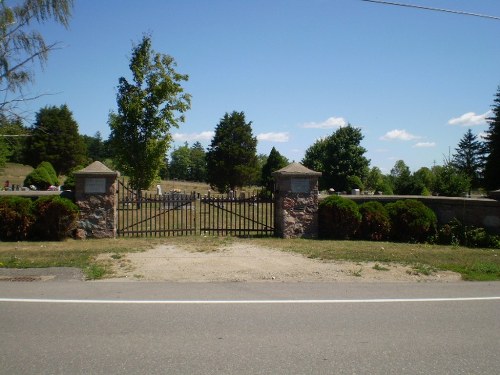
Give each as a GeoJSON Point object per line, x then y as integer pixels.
{"type": "Point", "coordinates": [147, 108]}
{"type": "Point", "coordinates": [274, 162]}
{"type": "Point", "coordinates": [232, 154]}
{"type": "Point", "coordinates": [338, 156]}
{"type": "Point", "coordinates": [492, 166]}
{"type": "Point", "coordinates": [54, 138]}
{"type": "Point", "coordinates": [469, 158]}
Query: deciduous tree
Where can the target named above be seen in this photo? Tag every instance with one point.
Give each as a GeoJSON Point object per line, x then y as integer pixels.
{"type": "Point", "coordinates": [148, 107]}
{"type": "Point", "coordinates": [338, 156]}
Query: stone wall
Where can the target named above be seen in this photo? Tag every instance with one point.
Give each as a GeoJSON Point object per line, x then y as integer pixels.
{"type": "Point", "coordinates": [297, 216]}
{"type": "Point", "coordinates": [484, 213]}
{"type": "Point", "coordinates": [96, 196]}
{"type": "Point", "coordinates": [296, 197]}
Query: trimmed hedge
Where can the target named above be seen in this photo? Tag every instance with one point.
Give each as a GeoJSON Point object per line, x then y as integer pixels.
{"type": "Point", "coordinates": [339, 218]}
{"type": "Point", "coordinates": [55, 218]}
{"type": "Point", "coordinates": [47, 218]}
{"type": "Point", "coordinates": [375, 222]}
{"type": "Point", "coordinates": [16, 218]}
{"type": "Point", "coordinates": [412, 221]}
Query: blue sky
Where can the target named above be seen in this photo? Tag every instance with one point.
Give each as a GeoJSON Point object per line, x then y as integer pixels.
{"type": "Point", "coordinates": [413, 80]}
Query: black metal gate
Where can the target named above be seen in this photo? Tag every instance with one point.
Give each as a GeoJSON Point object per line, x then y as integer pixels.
{"type": "Point", "coordinates": [176, 214]}
{"type": "Point", "coordinates": [223, 216]}
{"type": "Point", "coordinates": [157, 215]}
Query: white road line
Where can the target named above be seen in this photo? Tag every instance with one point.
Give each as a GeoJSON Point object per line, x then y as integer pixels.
{"type": "Point", "coordinates": [244, 302]}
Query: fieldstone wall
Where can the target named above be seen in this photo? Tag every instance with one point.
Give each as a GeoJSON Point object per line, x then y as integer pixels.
{"type": "Point", "coordinates": [296, 197]}
{"type": "Point", "coordinates": [297, 216]}
{"type": "Point", "coordinates": [96, 196]}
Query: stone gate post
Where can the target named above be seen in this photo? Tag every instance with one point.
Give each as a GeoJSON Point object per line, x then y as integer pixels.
{"type": "Point", "coordinates": [96, 196]}
{"type": "Point", "coordinates": [296, 197]}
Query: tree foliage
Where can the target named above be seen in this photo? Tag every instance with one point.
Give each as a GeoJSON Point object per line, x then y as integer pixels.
{"type": "Point", "coordinates": [449, 181]}
{"type": "Point", "coordinates": [232, 154]}
{"type": "Point", "coordinates": [492, 166]}
{"type": "Point", "coordinates": [338, 157]}
{"type": "Point", "coordinates": [274, 162]}
{"type": "Point", "coordinates": [469, 158]}
{"type": "Point", "coordinates": [13, 136]}
{"type": "Point", "coordinates": [21, 45]}
{"type": "Point", "coordinates": [55, 138]}
{"type": "Point", "coordinates": [148, 106]}
{"type": "Point", "coordinates": [97, 148]}
{"type": "Point", "coordinates": [188, 163]}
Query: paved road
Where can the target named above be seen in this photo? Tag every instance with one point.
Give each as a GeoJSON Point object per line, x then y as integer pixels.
{"type": "Point", "coordinates": [249, 328]}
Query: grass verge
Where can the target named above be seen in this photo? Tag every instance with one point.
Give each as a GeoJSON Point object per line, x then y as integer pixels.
{"type": "Point", "coordinates": [472, 264]}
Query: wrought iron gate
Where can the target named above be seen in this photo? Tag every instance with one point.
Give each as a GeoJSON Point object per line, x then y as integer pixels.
{"type": "Point", "coordinates": [155, 215]}
{"type": "Point", "coordinates": [175, 214]}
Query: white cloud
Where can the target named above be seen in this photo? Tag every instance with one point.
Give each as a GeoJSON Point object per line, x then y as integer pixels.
{"type": "Point", "coordinates": [185, 137]}
{"type": "Point", "coordinates": [329, 123]}
{"type": "Point", "coordinates": [424, 144]}
{"type": "Point", "coordinates": [470, 119]}
{"type": "Point", "coordinates": [273, 137]}
{"type": "Point", "coordinates": [401, 135]}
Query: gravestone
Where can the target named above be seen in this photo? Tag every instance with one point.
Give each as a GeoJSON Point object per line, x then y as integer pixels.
{"type": "Point", "coordinates": [296, 197]}
{"type": "Point", "coordinates": [96, 196]}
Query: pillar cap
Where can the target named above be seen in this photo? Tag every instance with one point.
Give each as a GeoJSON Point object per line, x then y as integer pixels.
{"type": "Point", "coordinates": [97, 168]}
{"type": "Point", "coordinates": [296, 169]}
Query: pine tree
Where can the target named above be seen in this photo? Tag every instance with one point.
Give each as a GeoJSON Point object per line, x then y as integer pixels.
{"type": "Point", "coordinates": [55, 139]}
{"type": "Point", "coordinates": [274, 162]}
{"type": "Point", "coordinates": [232, 155]}
{"type": "Point", "coordinates": [492, 166]}
{"type": "Point", "coordinates": [469, 158]}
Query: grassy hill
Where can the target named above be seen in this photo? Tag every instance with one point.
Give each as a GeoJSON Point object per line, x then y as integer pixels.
{"type": "Point", "coordinates": [14, 173]}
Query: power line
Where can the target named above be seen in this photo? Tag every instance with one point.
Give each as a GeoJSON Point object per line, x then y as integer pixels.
{"type": "Point", "coordinates": [383, 2]}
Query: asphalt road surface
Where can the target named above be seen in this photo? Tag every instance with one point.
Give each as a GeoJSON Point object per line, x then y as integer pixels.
{"type": "Point", "coordinates": [249, 328]}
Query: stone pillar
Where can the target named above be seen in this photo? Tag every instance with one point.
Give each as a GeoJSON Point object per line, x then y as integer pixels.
{"type": "Point", "coordinates": [296, 197]}
{"type": "Point", "coordinates": [96, 196]}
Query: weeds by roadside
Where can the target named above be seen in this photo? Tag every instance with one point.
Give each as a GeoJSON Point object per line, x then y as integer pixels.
{"type": "Point", "coordinates": [472, 264]}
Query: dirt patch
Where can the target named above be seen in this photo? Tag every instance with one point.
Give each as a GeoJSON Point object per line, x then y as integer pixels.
{"type": "Point", "coordinates": [240, 262]}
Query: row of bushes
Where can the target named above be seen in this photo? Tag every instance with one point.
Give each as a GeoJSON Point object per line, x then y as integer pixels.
{"type": "Point", "coordinates": [406, 220]}
{"type": "Point", "coordinates": [46, 218]}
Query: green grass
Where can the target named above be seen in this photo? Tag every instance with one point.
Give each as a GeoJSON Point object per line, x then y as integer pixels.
{"type": "Point", "coordinates": [472, 264]}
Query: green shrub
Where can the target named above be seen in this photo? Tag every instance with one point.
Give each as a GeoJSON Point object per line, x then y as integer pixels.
{"type": "Point", "coordinates": [479, 237]}
{"type": "Point", "coordinates": [50, 171]}
{"type": "Point", "coordinates": [339, 218]}
{"type": "Point", "coordinates": [56, 218]}
{"type": "Point", "coordinates": [451, 233]}
{"type": "Point", "coordinates": [411, 221]}
{"type": "Point", "coordinates": [42, 177]}
{"type": "Point", "coordinates": [15, 218]}
{"type": "Point", "coordinates": [375, 223]}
